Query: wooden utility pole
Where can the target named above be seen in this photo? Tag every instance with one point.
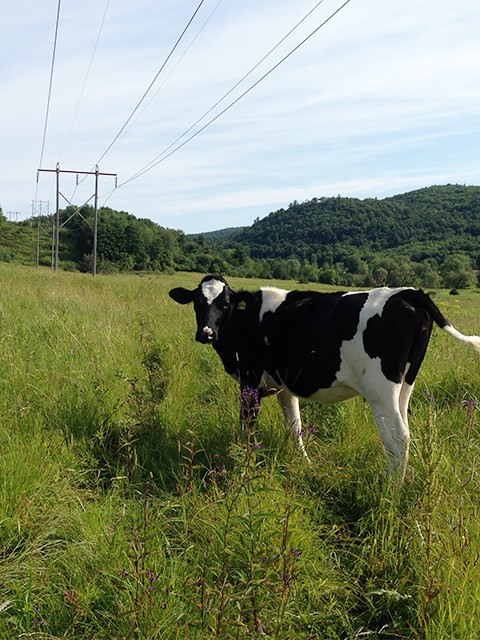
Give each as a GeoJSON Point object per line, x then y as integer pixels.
{"type": "Point", "coordinates": [95, 225]}
{"type": "Point", "coordinates": [56, 232]}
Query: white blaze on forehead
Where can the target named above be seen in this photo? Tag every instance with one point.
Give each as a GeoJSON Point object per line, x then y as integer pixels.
{"type": "Point", "coordinates": [212, 289]}
{"type": "Point", "coordinates": [272, 298]}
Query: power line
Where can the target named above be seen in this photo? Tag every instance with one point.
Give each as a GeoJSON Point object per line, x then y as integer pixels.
{"type": "Point", "coordinates": [180, 59]}
{"type": "Point", "coordinates": [50, 84]}
{"type": "Point", "coordinates": [163, 156]}
{"type": "Point", "coordinates": [82, 91]}
{"type": "Point", "coordinates": [152, 162]}
{"type": "Point", "coordinates": [152, 83]}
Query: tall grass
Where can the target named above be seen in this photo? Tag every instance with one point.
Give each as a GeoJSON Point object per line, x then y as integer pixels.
{"type": "Point", "coordinates": [132, 505]}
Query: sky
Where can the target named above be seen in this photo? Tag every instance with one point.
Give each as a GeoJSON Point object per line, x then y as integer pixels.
{"type": "Point", "coordinates": [371, 99]}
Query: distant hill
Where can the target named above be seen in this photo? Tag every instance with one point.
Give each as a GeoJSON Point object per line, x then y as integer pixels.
{"type": "Point", "coordinates": [428, 223]}
{"type": "Point", "coordinates": [429, 237]}
{"type": "Point", "coordinates": [220, 234]}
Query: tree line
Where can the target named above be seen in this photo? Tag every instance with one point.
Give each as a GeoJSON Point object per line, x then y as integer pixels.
{"type": "Point", "coordinates": [429, 238]}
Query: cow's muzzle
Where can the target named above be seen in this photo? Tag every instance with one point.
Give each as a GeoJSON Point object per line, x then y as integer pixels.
{"type": "Point", "coordinates": [205, 335]}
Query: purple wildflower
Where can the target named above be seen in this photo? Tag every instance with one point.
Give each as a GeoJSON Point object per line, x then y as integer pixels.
{"type": "Point", "coordinates": [287, 580]}
{"type": "Point", "coordinates": [37, 621]}
{"type": "Point", "coordinates": [249, 403]}
{"type": "Point", "coordinates": [152, 578]}
{"type": "Point", "coordinates": [308, 431]}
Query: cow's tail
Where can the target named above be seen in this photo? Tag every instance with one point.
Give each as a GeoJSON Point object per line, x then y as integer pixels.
{"type": "Point", "coordinates": [473, 340]}
{"type": "Point", "coordinates": [426, 303]}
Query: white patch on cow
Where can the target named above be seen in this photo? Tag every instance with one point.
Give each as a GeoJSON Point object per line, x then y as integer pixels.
{"type": "Point", "coordinates": [359, 374]}
{"type": "Point", "coordinates": [376, 299]}
{"type": "Point", "coordinates": [272, 298]}
{"type": "Point", "coordinates": [212, 289]}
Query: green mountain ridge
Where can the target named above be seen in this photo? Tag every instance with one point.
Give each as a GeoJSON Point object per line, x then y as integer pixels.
{"type": "Point", "coordinates": [428, 223]}
{"type": "Point", "coordinates": [429, 237]}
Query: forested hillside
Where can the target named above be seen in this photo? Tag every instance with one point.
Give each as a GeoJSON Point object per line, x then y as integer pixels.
{"type": "Point", "coordinates": [429, 237]}
{"type": "Point", "coordinates": [125, 243]}
{"type": "Point", "coordinates": [431, 223]}
{"type": "Point", "coordinates": [422, 235]}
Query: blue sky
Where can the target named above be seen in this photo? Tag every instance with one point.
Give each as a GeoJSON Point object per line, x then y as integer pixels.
{"type": "Point", "coordinates": [383, 99]}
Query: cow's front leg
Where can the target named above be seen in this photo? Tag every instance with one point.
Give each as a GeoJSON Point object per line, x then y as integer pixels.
{"type": "Point", "coordinates": [292, 419]}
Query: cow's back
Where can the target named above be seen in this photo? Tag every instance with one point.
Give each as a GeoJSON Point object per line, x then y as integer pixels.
{"type": "Point", "coordinates": [313, 337]}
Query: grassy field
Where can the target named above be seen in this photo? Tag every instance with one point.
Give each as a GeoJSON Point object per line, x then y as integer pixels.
{"type": "Point", "coordinates": [131, 505]}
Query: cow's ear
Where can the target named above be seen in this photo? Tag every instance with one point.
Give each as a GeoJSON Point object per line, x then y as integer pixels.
{"type": "Point", "coordinates": [181, 295]}
{"type": "Point", "coordinates": [242, 299]}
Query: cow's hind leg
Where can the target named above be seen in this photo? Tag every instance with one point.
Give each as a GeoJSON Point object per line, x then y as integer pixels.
{"type": "Point", "coordinates": [395, 434]}
{"type": "Point", "coordinates": [292, 419]}
{"type": "Point", "coordinates": [404, 400]}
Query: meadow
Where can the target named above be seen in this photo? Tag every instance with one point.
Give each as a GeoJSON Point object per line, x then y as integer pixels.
{"type": "Point", "coordinates": [132, 505]}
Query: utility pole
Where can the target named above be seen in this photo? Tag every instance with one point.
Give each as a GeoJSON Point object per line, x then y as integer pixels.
{"type": "Point", "coordinates": [56, 241]}
{"type": "Point", "coordinates": [37, 210]}
{"type": "Point", "coordinates": [95, 225]}
{"type": "Point", "coordinates": [56, 232]}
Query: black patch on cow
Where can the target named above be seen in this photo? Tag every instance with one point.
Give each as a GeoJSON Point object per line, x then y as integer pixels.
{"type": "Point", "coordinates": [241, 345]}
{"type": "Point", "coordinates": [397, 336]}
{"type": "Point", "coordinates": [304, 337]}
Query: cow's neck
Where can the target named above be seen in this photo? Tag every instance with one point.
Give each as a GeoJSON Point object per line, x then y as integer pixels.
{"type": "Point", "coordinates": [226, 350]}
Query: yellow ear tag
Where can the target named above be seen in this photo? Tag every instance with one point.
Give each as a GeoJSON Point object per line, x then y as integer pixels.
{"type": "Point", "coordinates": [241, 305]}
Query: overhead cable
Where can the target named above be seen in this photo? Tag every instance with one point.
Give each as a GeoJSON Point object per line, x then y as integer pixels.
{"type": "Point", "coordinates": [50, 84]}
{"type": "Point", "coordinates": [163, 156]}
{"type": "Point", "coordinates": [151, 84]}
{"type": "Point", "coordinates": [82, 91]}
{"type": "Point", "coordinates": [181, 58]}
{"type": "Point", "coordinates": [152, 162]}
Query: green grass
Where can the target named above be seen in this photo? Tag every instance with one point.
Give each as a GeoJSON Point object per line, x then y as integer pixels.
{"type": "Point", "coordinates": [131, 506]}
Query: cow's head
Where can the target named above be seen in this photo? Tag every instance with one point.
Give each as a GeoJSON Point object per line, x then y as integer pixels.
{"type": "Point", "coordinates": [212, 301]}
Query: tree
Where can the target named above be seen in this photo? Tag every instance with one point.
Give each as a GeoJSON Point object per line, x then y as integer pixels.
{"type": "Point", "coordinates": [280, 270]}
{"type": "Point", "coordinates": [400, 273]}
{"type": "Point", "coordinates": [135, 244]}
{"type": "Point", "coordinates": [427, 274]}
{"type": "Point", "coordinates": [457, 272]}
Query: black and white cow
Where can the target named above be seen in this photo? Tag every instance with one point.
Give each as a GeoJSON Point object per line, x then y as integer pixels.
{"type": "Point", "coordinates": [326, 347]}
